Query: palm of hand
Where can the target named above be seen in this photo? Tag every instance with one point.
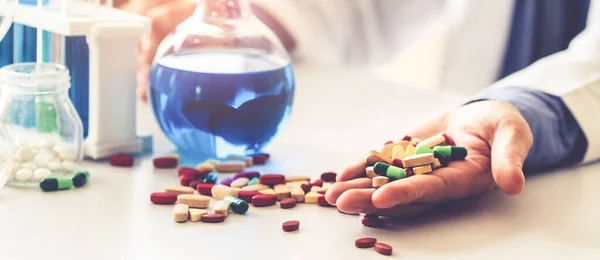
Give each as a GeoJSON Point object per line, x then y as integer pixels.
{"type": "Point", "coordinates": [470, 127]}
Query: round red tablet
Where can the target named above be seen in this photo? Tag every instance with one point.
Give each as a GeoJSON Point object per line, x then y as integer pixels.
{"type": "Point", "coordinates": [163, 197]}
{"type": "Point", "coordinates": [291, 225]}
{"type": "Point", "coordinates": [264, 200]}
{"type": "Point", "coordinates": [366, 242]}
{"type": "Point", "coordinates": [328, 176]}
{"type": "Point", "coordinates": [213, 218]}
{"type": "Point", "coordinates": [383, 249]}
{"type": "Point", "coordinates": [323, 202]}
{"type": "Point", "coordinates": [287, 203]}
{"type": "Point", "coordinates": [165, 162]}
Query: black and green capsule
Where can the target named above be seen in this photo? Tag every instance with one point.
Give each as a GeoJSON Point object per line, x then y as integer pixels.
{"type": "Point", "coordinates": [237, 205]}
{"type": "Point", "coordinates": [54, 184]}
{"type": "Point", "coordinates": [452, 152]}
{"type": "Point", "coordinates": [211, 178]}
{"type": "Point", "coordinates": [390, 171]}
{"type": "Point", "coordinates": [80, 179]}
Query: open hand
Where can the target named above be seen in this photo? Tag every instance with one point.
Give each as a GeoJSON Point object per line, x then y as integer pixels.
{"type": "Point", "coordinates": [497, 139]}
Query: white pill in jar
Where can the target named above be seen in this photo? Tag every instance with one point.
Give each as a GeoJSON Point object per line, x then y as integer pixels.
{"type": "Point", "coordinates": [54, 165]}
{"type": "Point", "coordinates": [29, 165]}
{"type": "Point", "coordinates": [41, 173]}
{"type": "Point", "coordinates": [66, 152]}
{"type": "Point", "coordinates": [25, 153]}
{"type": "Point", "coordinates": [42, 159]}
{"type": "Point", "coordinates": [23, 174]}
{"type": "Point", "coordinates": [68, 165]}
{"type": "Point", "coordinates": [46, 143]}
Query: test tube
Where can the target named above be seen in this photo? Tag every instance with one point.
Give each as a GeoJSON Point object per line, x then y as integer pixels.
{"type": "Point", "coordinates": [6, 47]}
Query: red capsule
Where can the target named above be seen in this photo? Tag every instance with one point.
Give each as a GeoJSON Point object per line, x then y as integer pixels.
{"type": "Point", "coordinates": [323, 202]}
{"type": "Point", "coordinates": [264, 200]}
{"type": "Point", "coordinates": [247, 195]}
{"type": "Point", "coordinates": [287, 203]}
{"type": "Point", "coordinates": [366, 242]}
{"type": "Point", "coordinates": [328, 176]}
{"type": "Point", "coordinates": [194, 184]}
{"type": "Point", "coordinates": [205, 189]}
{"type": "Point", "coordinates": [272, 179]}
{"type": "Point", "coordinates": [227, 181]}
{"type": "Point", "coordinates": [248, 175]}
{"type": "Point", "coordinates": [383, 249]}
{"type": "Point", "coordinates": [398, 163]}
{"type": "Point", "coordinates": [448, 140]}
{"type": "Point", "coordinates": [259, 159]}
{"type": "Point", "coordinates": [186, 179]}
{"type": "Point", "coordinates": [306, 187]}
{"type": "Point", "coordinates": [165, 162]}
{"type": "Point", "coordinates": [213, 218]}
{"type": "Point", "coordinates": [318, 182]}
{"type": "Point", "coordinates": [406, 138]}
{"type": "Point", "coordinates": [163, 198]}
{"type": "Point", "coordinates": [121, 160]}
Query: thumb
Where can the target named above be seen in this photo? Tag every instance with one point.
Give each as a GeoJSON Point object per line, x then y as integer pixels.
{"type": "Point", "coordinates": [510, 146]}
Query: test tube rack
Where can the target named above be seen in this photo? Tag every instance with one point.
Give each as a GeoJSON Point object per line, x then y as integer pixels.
{"type": "Point", "coordinates": [100, 49]}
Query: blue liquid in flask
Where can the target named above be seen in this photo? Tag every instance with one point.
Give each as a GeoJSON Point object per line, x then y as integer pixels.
{"type": "Point", "coordinates": [214, 103]}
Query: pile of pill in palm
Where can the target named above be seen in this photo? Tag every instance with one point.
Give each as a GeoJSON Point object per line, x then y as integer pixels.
{"type": "Point", "coordinates": [197, 186]}
{"type": "Point", "coordinates": [406, 158]}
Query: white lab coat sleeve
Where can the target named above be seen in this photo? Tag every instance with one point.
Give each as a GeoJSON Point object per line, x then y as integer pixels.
{"type": "Point", "coordinates": [573, 75]}
{"type": "Point", "coordinates": [322, 29]}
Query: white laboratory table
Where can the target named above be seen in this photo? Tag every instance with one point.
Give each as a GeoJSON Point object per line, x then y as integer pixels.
{"type": "Point", "coordinates": [337, 116]}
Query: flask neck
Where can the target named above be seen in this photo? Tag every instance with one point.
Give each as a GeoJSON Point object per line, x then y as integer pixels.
{"type": "Point", "coordinates": [217, 12]}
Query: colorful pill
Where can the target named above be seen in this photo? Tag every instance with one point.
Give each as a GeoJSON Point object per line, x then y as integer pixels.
{"type": "Point", "coordinates": [163, 198]}
{"type": "Point", "coordinates": [306, 187]}
{"type": "Point", "coordinates": [80, 179]}
{"type": "Point", "coordinates": [237, 205]}
{"type": "Point", "coordinates": [423, 149]}
{"type": "Point", "coordinates": [370, 172]}
{"type": "Point", "coordinates": [288, 203]}
{"type": "Point", "coordinates": [383, 249]}
{"type": "Point", "coordinates": [291, 225]}
{"type": "Point", "coordinates": [205, 188]}
{"type": "Point", "coordinates": [390, 171]}
{"type": "Point", "coordinates": [239, 182]}
{"type": "Point", "coordinates": [54, 184]}
{"type": "Point", "coordinates": [222, 207]}
{"type": "Point", "coordinates": [198, 175]}
{"type": "Point", "coordinates": [317, 182]}
{"type": "Point", "coordinates": [452, 152]}
{"type": "Point", "coordinates": [253, 181]}
{"type": "Point", "coordinates": [213, 218]}
{"type": "Point", "coordinates": [328, 176]}
{"type": "Point", "coordinates": [264, 200]}
{"type": "Point", "coordinates": [272, 179]}
{"type": "Point", "coordinates": [186, 179]}
{"type": "Point", "coordinates": [398, 163]}
{"type": "Point", "coordinates": [226, 181]}
{"type": "Point", "coordinates": [366, 242]}
{"type": "Point", "coordinates": [194, 184]}
{"type": "Point", "coordinates": [165, 162]}
{"type": "Point", "coordinates": [443, 150]}
{"type": "Point", "coordinates": [211, 178]}
{"type": "Point", "coordinates": [249, 175]}
{"type": "Point", "coordinates": [433, 141]}
{"type": "Point", "coordinates": [247, 195]}
{"type": "Point", "coordinates": [121, 160]}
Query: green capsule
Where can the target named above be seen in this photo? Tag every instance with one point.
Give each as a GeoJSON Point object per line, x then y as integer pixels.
{"type": "Point", "coordinates": [47, 117]}
{"type": "Point", "coordinates": [237, 205]}
{"type": "Point", "coordinates": [381, 168]}
{"type": "Point", "coordinates": [423, 149]}
{"type": "Point", "coordinates": [254, 181]}
{"type": "Point", "coordinates": [211, 178]}
{"type": "Point", "coordinates": [394, 172]}
{"type": "Point", "coordinates": [80, 179]}
{"type": "Point", "coordinates": [458, 153]}
{"type": "Point", "coordinates": [443, 150]}
{"type": "Point", "coordinates": [54, 184]}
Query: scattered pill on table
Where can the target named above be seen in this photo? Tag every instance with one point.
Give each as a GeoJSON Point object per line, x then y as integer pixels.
{"type": "Point", "coordinates": [222, 207]}
{"type": "Point", "coordinates": [272, 179]}
{"type": "Point", "coordinates": [323, 202]}
{"type": "Point", "coordinates": [186, 179]}
{"type": "Point", "coordinates": [282, 191]}
{"type": "Point", "coordinates": [230, 166]}
{"type": "Point", "coordinates": [311, 197]}
{"type": "Point", "coordinates": [181, 213]}
{"type": "Point", "coordinates": [267, 191]}
{"type": "Point", "coordinates": [205, 188]}
{"type": "Point", "coordinates": [260, 159]}
{"type": "Point", "coordinates": [287, 203]}
{"type": "Point", "coordinates": [373, 222]}
{"type": "Point", "coordinates": [247, 195]}
{"type": "Point", "coordinates": [329, 177]}
{"type": "Point", "coordinates": [198, 175]}
{"type": "Point", "coordinates": [379, 181]}
{"type": "Point", "coordinates": [213, 218]}
{"type": "Point", "coordinates": [80, 179]}
{"type": "Point", "coordinates": [296, 178]}
{"type": "Point", "coordinates": [227, 181]}
{"type": "Point", "coordinates": [306, 187]}
{"type": "Point", "coordinates": [366, 242]}
{"type": "Point", "coordinates": [163, 198]}
{"type": "Point", "coordinates": [239, 182]}
{"type": "Point", "coordinates": [237, 205]}
{"type": "Point", "coordinates": [383, 249]}
{"type": "Point", "coordinates": [194, 201]}
{"type": "Point", "coordinates": [121, 160]}
{"type": "Point", "coordinates": [246, 159]}
{"type": "Point", "coordinates": [179, 189]}
{"type": "Point", "coordinates": [194, 184]}
{"type": "Point", "coordinates": [264, 200]}
{"type": "Point", "coordinates": [254, 181]}
{"type": "Point", "coordinates": [291, 225]}
{"type": "Point", "coordinates": [297, 193]}
{"type": "Point", "coordinates": [55, 184]}
{"type": "Point", "coordinates": [165, 162]}
{"type": "Point", "coordinates": [196, 214]}
{"type": "Point", "coordinates": [220, 191]}
{"type": "Point", "coordinates": [249, 175]}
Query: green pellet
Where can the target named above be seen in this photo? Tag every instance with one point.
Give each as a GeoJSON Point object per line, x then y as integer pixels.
{"type": "Point", "coordinates": [47, 118]}
{"type": "Point", "coordinates": [254, 181]}
{"type": "Point", "coordinates": [54, 184]}
{"type": "Point", "coordinates": [394, 172]}
{"type": "Point", "coordinates": [80, 179]}
{"type": "Point", "coordinates": [381, 168]}
{"type": "Point", "coordinates": [211, 178]}
{"type": "Point", "coordinates": [237, 205]}
{"type": "Point", "coordinates": [458, 153]}
{"type": "Point", "coordinates": [443, 150]}
{"type": "Point", "coordinates": [423, 149]}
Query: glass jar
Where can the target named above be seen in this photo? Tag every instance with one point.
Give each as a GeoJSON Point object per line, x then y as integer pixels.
{"type": "Point", "coordinates": [222, 83]}
{"type": "Point", "coordinates": [45, 131]}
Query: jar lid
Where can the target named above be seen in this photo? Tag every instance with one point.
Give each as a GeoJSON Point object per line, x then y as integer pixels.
{"type": "Point", "coordinates": [35, 77]}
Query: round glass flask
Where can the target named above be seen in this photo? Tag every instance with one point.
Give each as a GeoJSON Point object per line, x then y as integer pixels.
{"type": "Point", "coordinates": [42, 125]}
{"type": "Point", "coordinates": [221, 83]}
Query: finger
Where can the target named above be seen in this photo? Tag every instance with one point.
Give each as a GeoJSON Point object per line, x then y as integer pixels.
{"type": "Point", "coordinates": [353, 171]}
{"type": "Point", "coordinates": [356, 201]}
{"type": "Point", "coordinates": [427, 188]}
{"type": "Point", "coordinates": [338, 188]}
{"type": "Point", "coordinates": [510, 146]}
